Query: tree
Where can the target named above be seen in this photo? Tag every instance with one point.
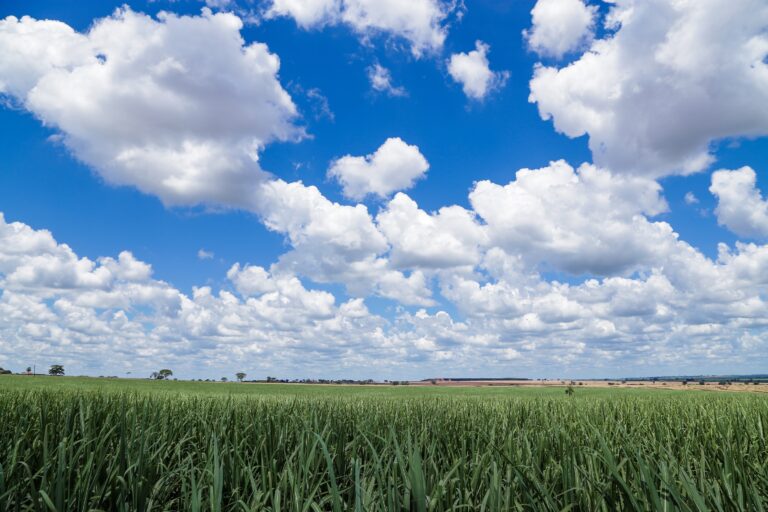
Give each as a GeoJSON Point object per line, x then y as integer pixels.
{"type": "Point", "coordinates": [56, 369]}
{"type": "Point", "coordinates": [240, 376]}
{"type": "Point", "coordinates": [4, 371]}
{"type": "Point", "coordinates": [223, 379]}
{"type": "Point", "coordinates": [570, 391]}
{"type": "Point", "coordinates": [165, 373]}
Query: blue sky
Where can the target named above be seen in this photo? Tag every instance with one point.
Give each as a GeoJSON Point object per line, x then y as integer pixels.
{"type": "Point", "coordinates": [65, 174]}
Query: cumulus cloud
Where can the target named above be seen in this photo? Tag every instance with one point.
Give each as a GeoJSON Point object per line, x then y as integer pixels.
{"type": "Point", "coordinates": [394, 166]}
{"type": "Point", "coordinates": [580, 221]}
{"type": "Point", "coordinates": [560, 26]}
{"type": "Point", "coordinates": [688, 311]}
{"type": "Point", "coordinates": [451, 237]}
{"type": "Point", "coordinates": [654, 297]}
{"type": "Point", "coordinates": [281, 290]}
{"type": "Point", "coordinates": [332, 242]}
{"type": "Point", "coordinates": [740, 205]}
{"type": "Point", "coordinates": [472, 71]}
{"type": "Point", "coordinates": [381, 81]}
{"type": "Point", "coordinates": [177, 106]}
{"type": "Point", "coordinates": [420, 22]}
{"type": "Point", "coordinates": [33, 263]}
{"type": "Point", "coordinates": [58, 305]}
{"type": "Point", "coordinates": [667, 80]}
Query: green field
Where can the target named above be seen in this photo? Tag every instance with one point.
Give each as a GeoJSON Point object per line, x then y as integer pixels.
{"type": "Point", "coordinates": [98, 444]}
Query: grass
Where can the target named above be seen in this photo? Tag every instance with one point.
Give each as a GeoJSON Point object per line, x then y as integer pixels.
{"type": "Point", "coordinates": [324, 390]}
{"type": "Point", "coordinates": [94, 444]}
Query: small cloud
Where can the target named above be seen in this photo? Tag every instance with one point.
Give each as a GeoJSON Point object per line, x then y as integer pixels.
{"type": "Point", "coordinates": [560, 26]}
{"type": "Point", "coordinates": [319, 104]}
{"type": "Point", "coordinates": [381, 81]}
{"type": "Point", "coordinates": [205, 255]}
{"type": "Point", "coordinates": [472, 70]}
{"type": "Point", "coordinates": [219, 4]}
{"type": "Point", "coordinates": [394, 166]}
{"type": "Point", "coordinates": [690, 198]}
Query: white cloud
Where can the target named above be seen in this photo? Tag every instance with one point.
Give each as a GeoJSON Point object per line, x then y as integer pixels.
{"type": "Point", "coordinates": [32, 48]}
{"type": "Point", "coordinates": [251, 280]}
{"type": "Point", "coordinates": [560, 26]}
{"type": "Point", "coordinates": [307, 13]}
{"type": "Point", "coordinates": [660, 299]}
{"type": "Point", "coordinates": [689, 313]}
{"type": "Point", "coordinates": [394, 166]}
{"type": "Point", "coordinates": [668, 79]}
{"type": "Point", "coordinates": [381, 81]}
{"type": "Point", "coordinates": [219, 4]}
{"type": "Point", "coordinates": [451, 237]}
{"type": "Point", "coordinates": [33, 263]}
{"type": "Point", "coordinates": [740, 206]}
{"type": "Point", "coordinates": [420, 22]}
{"type": "Point", "coordinates": [336, 243]}
{"type": "Point", "coordinates": [281, 291]}
{"type": "Point", "coordinates": [472, 71]}
{"type": "Point", "coordinates": [585, 221]}
{"type": "Point", "coordinates": [690, 198]}
{"type": "Point", "coordinates": [202, 254]}
{"type": "Point", "coordinates": [58, 306]}
{"type": "Point", "coordinates": [185, 133]}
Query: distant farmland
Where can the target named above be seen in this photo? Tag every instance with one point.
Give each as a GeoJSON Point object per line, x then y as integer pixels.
{"type": "Point", "coordinates": [89, 444]}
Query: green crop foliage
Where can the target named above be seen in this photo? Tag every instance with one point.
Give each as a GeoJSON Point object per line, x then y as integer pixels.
{"type": "Point", "coordinates": [240, 448]}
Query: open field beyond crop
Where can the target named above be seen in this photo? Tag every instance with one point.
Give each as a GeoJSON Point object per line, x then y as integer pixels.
{"type": "Point", "coordinates": [94, 444]}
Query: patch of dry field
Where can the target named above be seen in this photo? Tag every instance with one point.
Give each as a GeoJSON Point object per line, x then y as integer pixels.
{"type": "Point", "coordinates": [677, 385]}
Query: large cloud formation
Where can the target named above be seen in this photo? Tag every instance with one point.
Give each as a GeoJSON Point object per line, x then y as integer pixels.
{"type": "Point", "coordinates": [112, 315]}
{"type": "Point", "coordinates": [668, 79]}
{"type": "Point", "coordinates": [626, 289]}
{"type": "Point", "coordinates": [178, 107]}
{"type": "Point", "coordinates": [585, 221]}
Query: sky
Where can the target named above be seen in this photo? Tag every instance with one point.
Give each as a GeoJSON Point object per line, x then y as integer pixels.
{"type": "Point", "coordinates": [388, 190]}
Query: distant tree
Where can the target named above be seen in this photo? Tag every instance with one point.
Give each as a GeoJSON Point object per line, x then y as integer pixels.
{"type": "Point", "coordinates": [240, 376]}
{"type": "Point", "coordinates": [29, 369]}
{"type": "Point", "coordinates": [56, 369]}
{"type": "Point", "coordinates": [223, 379]}
{"type": "Point", "coordinates": [3, 371]}
{"type": "Point", "coordinates": [154, 375]}
{"type": "Point", "coordinates": [165, 373]}
{"type": "Point", "coordinates": [570, 391]}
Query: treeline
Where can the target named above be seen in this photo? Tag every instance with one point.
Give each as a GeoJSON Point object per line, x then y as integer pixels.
{"type": "Point", "coordinates": [327, 381]}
